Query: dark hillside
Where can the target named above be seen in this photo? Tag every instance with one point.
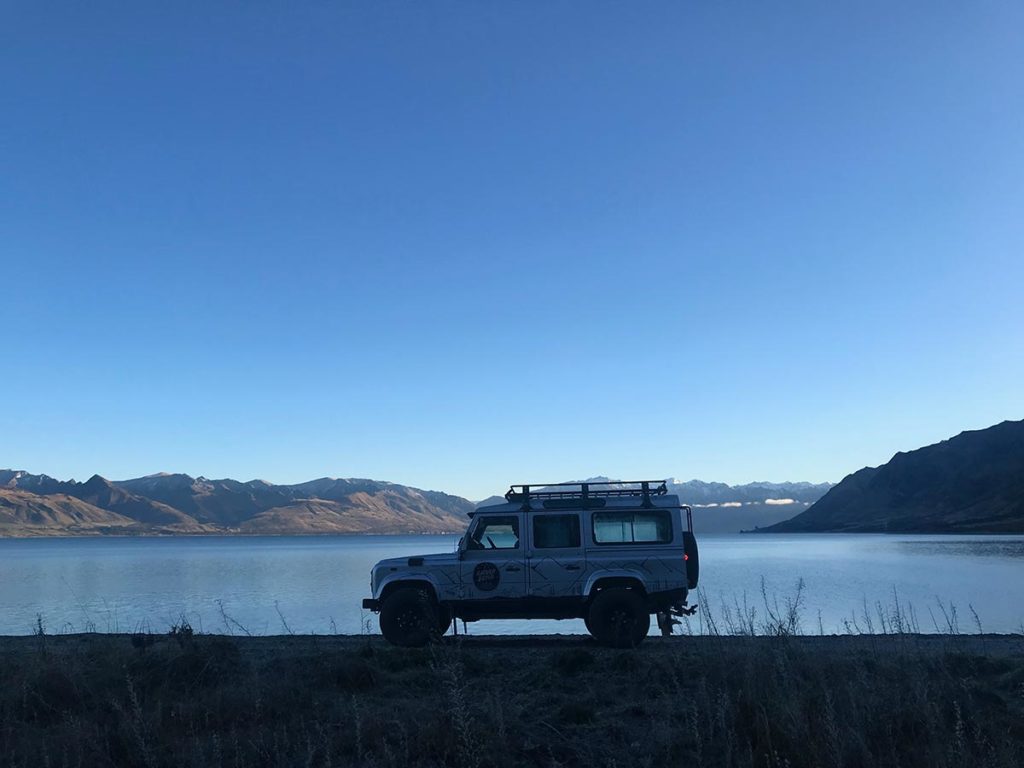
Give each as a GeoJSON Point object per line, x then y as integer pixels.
{"type": "Point", "coordinates": [971, 483]}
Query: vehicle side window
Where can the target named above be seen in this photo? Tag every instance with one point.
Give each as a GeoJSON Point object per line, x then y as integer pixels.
{"type": "Point", "coordinates": [556, 531]}
{"type": "Point", "coordinates": [497, 532]}
{"type": "Point", "coordinates": [642, 527]}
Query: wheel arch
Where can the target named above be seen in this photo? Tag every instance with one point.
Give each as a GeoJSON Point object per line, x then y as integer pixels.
{"type": "Point", "coordinates": [627, 579]}
{"type": "Point", "coordinates": [391, 586]}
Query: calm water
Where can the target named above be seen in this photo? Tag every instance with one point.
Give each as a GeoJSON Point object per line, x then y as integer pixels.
{"type": "Point", "coordinates": [317, 583]}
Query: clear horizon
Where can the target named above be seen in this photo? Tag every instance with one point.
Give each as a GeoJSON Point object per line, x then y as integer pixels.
{"type": "Point", "coordinates": [462, 246]}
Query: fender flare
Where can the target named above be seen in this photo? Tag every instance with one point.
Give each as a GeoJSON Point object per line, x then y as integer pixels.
{"type": "Point", "coordinates": [395, 578]}
{"type": "Point", "coordinates": [617, 573]}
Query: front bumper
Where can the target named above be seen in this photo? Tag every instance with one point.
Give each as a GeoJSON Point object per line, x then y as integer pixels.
{"type": "Point", "coordinates": [369, 604]}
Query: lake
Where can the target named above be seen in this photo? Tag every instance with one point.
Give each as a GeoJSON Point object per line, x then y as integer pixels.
{"type": "Point", "coordinates": [315, 584]}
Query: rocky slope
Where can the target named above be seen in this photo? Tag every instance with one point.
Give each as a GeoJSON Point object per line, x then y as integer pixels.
{"type": "Point", "coordinates": [971, 483]}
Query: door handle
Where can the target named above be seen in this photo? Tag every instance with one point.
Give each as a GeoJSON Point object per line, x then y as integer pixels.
{"type": "Point", "coordinates": [572, 567]}
{"type": "Point", "coordinates": [513, 568]}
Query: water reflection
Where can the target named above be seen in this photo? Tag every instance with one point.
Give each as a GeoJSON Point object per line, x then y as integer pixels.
{"type": "Point", "coordinates": [1006, 548]}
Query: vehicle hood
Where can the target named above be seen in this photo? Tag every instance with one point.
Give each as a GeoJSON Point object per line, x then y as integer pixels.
{"type": "Point", "coordinates": [441, 558]}
{"type": "Point", "coordinates": [410, 565]}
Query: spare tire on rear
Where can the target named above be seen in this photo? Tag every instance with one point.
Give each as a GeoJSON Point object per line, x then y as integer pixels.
{"type": "Point", "coordinates": [409, 618]}
{"type": "Point", "coordinates": [618, 617]}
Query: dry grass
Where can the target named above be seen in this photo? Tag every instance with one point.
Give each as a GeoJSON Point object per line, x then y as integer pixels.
{"type": "Point", "coordinates": [194, 700]}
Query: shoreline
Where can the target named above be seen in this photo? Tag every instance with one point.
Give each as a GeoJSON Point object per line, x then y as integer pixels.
{"type": "Point", "coordinates": [325, 534]}
{"type": "Point", "coordinates": [215, 534]}
{"type": "Point", "coordinates": [989, 643]}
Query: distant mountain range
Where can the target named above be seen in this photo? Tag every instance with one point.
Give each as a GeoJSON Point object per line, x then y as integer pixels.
{"type": "Point", "coordinates": [179, 504]}
{"type": "Point", "coordinates": [971, 483]}
{"type": "Point", "coordinates": [39, 505]}
{"type": "Point", "coordinates": [721, 508]}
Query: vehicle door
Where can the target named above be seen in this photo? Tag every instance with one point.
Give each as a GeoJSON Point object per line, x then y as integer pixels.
{"type": "Point", "coordinates": [493, 564]}
{"type": "Point", "coordinates": [557, 564]}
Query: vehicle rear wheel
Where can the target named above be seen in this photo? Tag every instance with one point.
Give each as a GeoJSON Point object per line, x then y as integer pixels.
{"type": "Point", "coordinates": [619, 618]}
{"type": "Point", "coordinates": [409, 618]}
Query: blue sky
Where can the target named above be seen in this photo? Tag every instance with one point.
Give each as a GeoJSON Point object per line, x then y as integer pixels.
{"type": "Point", "coordinates": [458, 245]}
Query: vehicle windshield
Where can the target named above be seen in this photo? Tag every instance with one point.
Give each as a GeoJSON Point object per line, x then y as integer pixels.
{"type": "Point", "coordinates": [494, 532]}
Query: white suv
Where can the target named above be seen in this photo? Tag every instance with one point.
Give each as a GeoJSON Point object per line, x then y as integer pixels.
{"type": "Point", "coordinates": [609, 553]}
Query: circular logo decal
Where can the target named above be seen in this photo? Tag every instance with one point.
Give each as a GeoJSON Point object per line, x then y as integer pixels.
{"type": "Point", "coordinates": [486, 577]}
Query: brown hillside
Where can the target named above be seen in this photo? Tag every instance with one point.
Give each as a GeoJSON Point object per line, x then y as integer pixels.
{"type": "Point", "coordinates": [28, 514]}
{"type": "Point", "coordinates": [102, 493]}
{"type": "Point", "coordinates": [358, 513]}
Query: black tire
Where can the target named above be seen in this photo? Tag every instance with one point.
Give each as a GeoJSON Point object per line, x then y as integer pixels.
{"type": "Point", "coordinates": [619, 618]}
{"type": "Point", "coordinates": [590, 626]}
{"type": "Point", "coordinates": [409, 618]}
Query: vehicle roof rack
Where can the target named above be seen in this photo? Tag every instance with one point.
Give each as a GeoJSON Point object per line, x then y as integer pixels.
{"type": "Point", "coordinates": [587, 490]}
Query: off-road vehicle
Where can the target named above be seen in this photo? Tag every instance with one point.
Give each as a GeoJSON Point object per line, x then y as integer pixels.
{"type": "Point", "coordinates": [608, 553]}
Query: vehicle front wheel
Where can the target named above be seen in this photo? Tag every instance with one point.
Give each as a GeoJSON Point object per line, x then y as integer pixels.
{"type": "Point", "coordinates": [409, 618]}
{"type": "Point", "coordinates": [618, 617]}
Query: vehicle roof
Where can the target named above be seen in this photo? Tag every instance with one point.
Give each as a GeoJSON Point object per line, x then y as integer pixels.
{"type": "Point", "coordinates": [664, 501]}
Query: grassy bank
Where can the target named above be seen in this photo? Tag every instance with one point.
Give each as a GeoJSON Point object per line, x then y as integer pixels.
{"type": "Point", "coordinates": [184, 700]}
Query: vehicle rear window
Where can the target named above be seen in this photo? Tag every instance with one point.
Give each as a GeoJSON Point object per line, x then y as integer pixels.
{"type": "Point", "coordinates": [556, 531]}
{"type": "Point", "coordinates": [653, 526]}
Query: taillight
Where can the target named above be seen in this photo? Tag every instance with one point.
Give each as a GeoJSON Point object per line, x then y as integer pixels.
{"type": "Point", "coordinates": [691, 559]}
